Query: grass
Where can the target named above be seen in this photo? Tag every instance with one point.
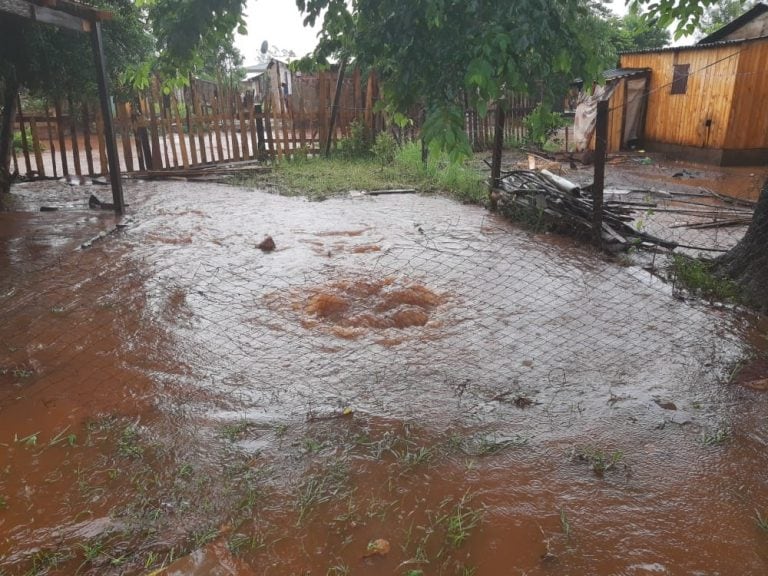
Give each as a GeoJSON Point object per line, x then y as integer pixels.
{"type": "Point", "coordinates": [460, 522]}
{"type": "Point", "coordinates": [600, 461]}
{"type": "Point", "coordinates": [761, 521]}
{"type": "Point", "coordinates": [321, 178]}
{"type": "Point", "coordinates": [699, 278]}
{"type": "Point", "coordinates": [320, 488]}
{"type": "Point", "coordinates": [716, 437]}
{"type": "Point", "coordinates": [128, 443]}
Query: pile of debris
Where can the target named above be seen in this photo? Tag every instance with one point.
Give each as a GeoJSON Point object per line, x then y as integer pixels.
{"type": "Point", "coordinates": [545, 197]}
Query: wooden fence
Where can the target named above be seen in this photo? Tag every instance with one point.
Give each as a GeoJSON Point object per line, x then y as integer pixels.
{"type": "Point", "coordinates": [212, 123]}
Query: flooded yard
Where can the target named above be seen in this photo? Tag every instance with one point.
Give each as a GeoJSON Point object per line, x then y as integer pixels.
{"type": "Point", "coordinates": [405, 385]}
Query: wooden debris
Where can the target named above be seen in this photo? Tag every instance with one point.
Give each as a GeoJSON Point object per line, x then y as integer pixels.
{"type": "Point", "coordinates": [539, 195]}
{"type": "Point", "coordinates": [203, 173]}
{"type": "Point", "coordinates": [393, 191]}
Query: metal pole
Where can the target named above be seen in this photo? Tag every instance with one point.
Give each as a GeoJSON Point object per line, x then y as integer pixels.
{"type": "Point", "coordinates": [598, 185]}
{"type": "Point", "coordinates": [106, 113]}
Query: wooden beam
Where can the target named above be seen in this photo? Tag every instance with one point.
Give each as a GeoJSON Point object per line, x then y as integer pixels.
{"type": "Point", "coordinates": [60, 19]}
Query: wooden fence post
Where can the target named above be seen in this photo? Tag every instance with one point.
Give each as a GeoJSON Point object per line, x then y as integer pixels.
{"type": "Point", "coordinates": [335, 107]}
{"type": "Point", "coordinates": [498, 143]}
{"type": "Point", "coordinates": [598, 185]}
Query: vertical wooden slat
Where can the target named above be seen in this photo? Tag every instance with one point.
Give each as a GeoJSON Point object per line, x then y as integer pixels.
{"type": "Point", "coordinates": [51, 145]}
{"type": "Point", "coordinates": [73, 138]}
{"type": "Point", "coordinates": [60, 133]}
{"type": "Point", "coordinates": [150, 101]}
{"type": "Point", "coordinates": [124, 125]}
{"type": "Point", "coordinates": [87, 139]}
{"type": "Point", "coordinates": [249, 99]}
{"type": "Point", "coordinates": [36, 147]}
{"type": "Point", "coordinates": [275, 115]}
{"type": "Point", "coordinates": [217, 122]}
{"type": "Point", "coordinates": [168, 137]}
{"type": "Point", "coordinates": [189, 117]}
{"type": "Point", "coordinates": [322, 108]}
{"type": "Point", "coordinates": [179, 130]}
{"type": "Point", "coordinates": [268, 126]}
{"type": "Point", "coordinates": [302, 122]}
{"type": "Point", "coordinates": [101, 139]}
{"type": "Point", "coordinates": [244, 149]}
{"type": "Point", "coordinates": [232, 114]}
{"type": "Point", "coordinates": [24, 143]}
{"type": "Point", "coordinates": [199, 122]}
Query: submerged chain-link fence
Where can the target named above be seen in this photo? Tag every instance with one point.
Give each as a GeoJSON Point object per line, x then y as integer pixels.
{"type": "Point", "coordinates": [405, 308]}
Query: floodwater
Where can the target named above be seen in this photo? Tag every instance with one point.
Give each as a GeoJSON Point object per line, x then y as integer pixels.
{"type": "Point", "coordinates": [401, 369]}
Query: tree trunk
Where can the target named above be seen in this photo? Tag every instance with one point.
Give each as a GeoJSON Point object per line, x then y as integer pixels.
{"type": "Point", "coordinates": [747, 262]}
{"type": "Point", "coordinates": [6, 131]}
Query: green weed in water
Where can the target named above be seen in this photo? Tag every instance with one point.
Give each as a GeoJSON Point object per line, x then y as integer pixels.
{"type": "Point", "coordinates": [699, 278]}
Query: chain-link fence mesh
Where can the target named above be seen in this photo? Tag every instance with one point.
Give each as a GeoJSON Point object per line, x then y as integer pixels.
{"type": "Point", "coordinates": [409, 308]}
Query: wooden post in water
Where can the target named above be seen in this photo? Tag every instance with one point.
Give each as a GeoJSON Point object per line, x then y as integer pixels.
{"type": "Point", "coordinates": [598, 185]}
{"type": "Point", "coordinates": [106, 114]}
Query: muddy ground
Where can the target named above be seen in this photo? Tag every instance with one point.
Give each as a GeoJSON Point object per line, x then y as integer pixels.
{"type": "Point", "coordinates": [404, 386]}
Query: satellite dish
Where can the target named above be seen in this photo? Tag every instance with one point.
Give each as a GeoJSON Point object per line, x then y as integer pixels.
{"type": "Point", "coordinates": [264, 47]}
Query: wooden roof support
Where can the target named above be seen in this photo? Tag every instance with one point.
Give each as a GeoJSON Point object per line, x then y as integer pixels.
{"type": "Point", "coordinates": [80, 18]}
{"type": "Point", "coordinates": [106, 113]}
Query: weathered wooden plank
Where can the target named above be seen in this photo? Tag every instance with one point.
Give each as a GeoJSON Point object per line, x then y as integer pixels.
{"type": "Point", "coordinates": [60, 133]}
{"type": "Point", "coordinates": [36, 146]}
{"type": "Point", "coordinates": [87, 139]}
{"type": "Point", "coordinates": [101, 139]}
{"type": "Point", "coordinates": [179, 130]}
{"type": "Point", "coordinates": [73, 138]}
{"type": "Point", "coordinates": [51, 145]}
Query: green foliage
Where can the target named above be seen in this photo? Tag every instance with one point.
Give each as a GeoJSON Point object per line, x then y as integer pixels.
{"type": "Point", "coordinates": [357, 144]}
{"type": "Point", "coordinates": [698, 278]}
{"type": "Point", "coordinates": [542, 123]}
{"type": "Point", "coordinates": [385, 149]}
{"type": "Point", "coordinates": [441, 53]}
{"type": "Point", "coordinates": [18, 142]}
{"type": "Point", "coordinates": [721, 13]}
{"type": "Point", "coordinates": [685, 15]}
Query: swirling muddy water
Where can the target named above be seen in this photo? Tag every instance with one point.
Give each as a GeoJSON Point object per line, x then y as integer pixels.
{"type": "Point", "coordinates": [589, 415]}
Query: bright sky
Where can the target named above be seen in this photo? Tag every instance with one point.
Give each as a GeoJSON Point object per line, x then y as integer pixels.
{"type": "Point", "coordinates": [280, 23]}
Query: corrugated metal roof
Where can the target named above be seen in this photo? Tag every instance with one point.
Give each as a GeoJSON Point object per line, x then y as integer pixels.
{"type": "Point", "coordinates": [615, 73]}
{"type": "Point", "coordinates": [710, 46]}
{"type": "Point", "coordinates": [757, 10]}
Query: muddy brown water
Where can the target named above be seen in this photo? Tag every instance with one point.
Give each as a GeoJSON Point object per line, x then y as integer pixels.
{"type": "Point", "coordinates": [486, 400]}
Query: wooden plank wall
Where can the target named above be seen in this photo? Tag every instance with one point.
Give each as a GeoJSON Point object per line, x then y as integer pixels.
{"type": "Point", "coordinates": [748, 126]}
{"type": "Point", "coordinates": [682, 118]}
{"type": "Point", "coordinates": [213, 123]}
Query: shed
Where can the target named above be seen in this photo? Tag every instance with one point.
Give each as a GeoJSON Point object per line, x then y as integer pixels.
{"type": "Point", "coordinates": [625, 89]}
{"type": "Point", "coordinates": [707, 102]}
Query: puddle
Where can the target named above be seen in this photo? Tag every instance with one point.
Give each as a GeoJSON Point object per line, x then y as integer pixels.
{"type": "Point", "coordinates": [397, 365]}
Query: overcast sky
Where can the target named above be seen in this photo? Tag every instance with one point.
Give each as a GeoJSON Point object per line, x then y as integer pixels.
{"type": "Point", "coordinates": [280, 23]}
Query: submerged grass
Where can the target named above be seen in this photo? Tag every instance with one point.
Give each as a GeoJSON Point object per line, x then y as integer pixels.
{"type": "Point", "coordinates": [320, 178]}
{"type": "Point", "coordinates": [699, 278]}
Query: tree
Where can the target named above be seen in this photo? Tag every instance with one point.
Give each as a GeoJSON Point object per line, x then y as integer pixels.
{"type": "Point", "coordinates": [440, 53]}
{"type": "Point", "coordinates": [721, 13]}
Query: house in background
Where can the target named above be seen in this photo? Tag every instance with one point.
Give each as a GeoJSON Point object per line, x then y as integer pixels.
{"type": "Point", "coordinates": [267, 77]}
{"type": "Point", "coordinates": [707, 102]}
